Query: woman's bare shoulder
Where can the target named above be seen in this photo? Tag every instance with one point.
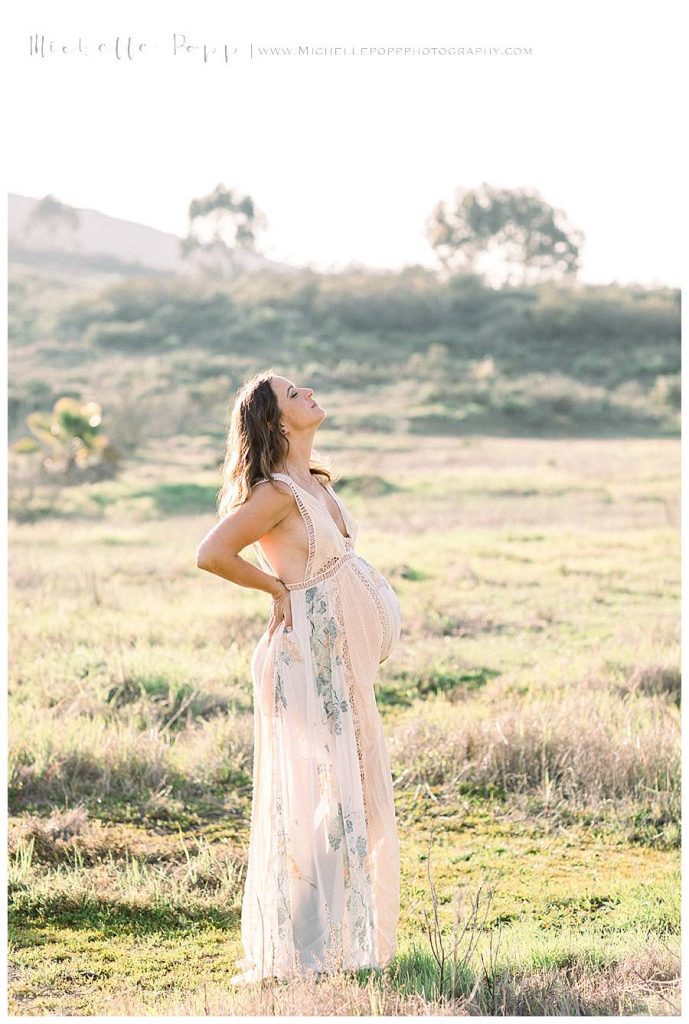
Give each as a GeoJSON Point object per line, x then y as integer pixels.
{"type": "Point", "coordinates": [278, 492]}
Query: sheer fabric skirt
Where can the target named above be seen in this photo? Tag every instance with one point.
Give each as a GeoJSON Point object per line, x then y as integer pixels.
{"type": "Point", "coordinates": [322, 888]}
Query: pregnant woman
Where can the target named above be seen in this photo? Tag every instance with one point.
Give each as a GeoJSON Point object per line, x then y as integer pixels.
{"type": "Point", "coordinates": [322, 889]}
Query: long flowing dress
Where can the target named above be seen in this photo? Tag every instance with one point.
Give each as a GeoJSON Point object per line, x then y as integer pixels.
{"type": "Point", "coordinates": [322, 887]}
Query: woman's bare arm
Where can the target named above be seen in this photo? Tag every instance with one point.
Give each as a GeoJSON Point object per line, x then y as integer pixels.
{"type": "Point", "coordinates": [219, 550]}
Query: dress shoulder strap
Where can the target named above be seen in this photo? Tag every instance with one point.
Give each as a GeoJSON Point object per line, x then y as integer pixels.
{"type": "Point", "coordinates": [306, 516]}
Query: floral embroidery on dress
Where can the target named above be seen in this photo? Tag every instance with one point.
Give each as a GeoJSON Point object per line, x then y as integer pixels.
{"type": "Point", "coordinates": [335, 836]}
{"type": "Point", "coordinates": [283, 908]}
{"type": "Point", "coordinates": [280, 697]}
{"type": "Point", "coordinates": [355, 846]}
{"type": "Point", "coordinates": [288, 654]}
{"type": "Point", "coordinates": [323, 647]}
{"type": "Point", "coordinates": [296, 872]}
{"type": "Point", "coordinates": [357, 883]}
{"type": "Point", "coordinates": [363, 925]}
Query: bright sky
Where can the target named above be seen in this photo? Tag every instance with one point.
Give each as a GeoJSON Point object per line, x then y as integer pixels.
{"type": "Point", "coordinates": [347, 155]}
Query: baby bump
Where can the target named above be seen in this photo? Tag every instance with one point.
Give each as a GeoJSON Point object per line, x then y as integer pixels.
{"type": "Point", "coordinates": [387, 606]}
{"type": "Point", "coordinates": [394, 616]}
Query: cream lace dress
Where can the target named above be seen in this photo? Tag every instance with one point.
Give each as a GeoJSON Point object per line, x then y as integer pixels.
{"type": "Point", "coordinates": [322, 888]}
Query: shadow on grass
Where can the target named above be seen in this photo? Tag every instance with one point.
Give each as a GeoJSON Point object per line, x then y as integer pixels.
{"type": "Point", "coordinates": [408, 689]}
{"type": "Point", "coordinates": [91, 913]}
{"type": "Point", "coordinates": [198, 805]}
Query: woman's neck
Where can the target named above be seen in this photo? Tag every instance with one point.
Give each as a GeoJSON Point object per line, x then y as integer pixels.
{"type": "Point", "coordinates": [297, 461]}
{"type": "Point", "coordinates": [300, 471]}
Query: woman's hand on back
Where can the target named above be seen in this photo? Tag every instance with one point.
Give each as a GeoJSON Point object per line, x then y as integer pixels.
{"type": "Point", "coordinates": [281, 609]}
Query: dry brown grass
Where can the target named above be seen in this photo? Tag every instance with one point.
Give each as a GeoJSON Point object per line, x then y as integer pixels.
{"type": "Point", "coordinates": [585, 744]}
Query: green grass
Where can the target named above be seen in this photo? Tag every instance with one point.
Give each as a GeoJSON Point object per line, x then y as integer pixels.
{"type": "Point", "coordinates": [531, 712]}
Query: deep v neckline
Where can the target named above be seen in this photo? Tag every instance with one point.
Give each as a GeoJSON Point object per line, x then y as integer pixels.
{"type": "Point", "coordinates": [313, 497]}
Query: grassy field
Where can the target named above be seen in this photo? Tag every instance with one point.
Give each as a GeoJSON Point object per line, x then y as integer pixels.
{"type": "Point", "coordinates": [531, 711]}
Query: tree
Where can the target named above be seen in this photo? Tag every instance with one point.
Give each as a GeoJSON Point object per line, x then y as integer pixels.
{"type": "Point", "coordinates": [515, 231]}
{"type": "Point", "coordinates": [71, 441]}
{"type": "Point", "coordinates": [222, 227]}
{"type": "Point", "coordinates": [56, 217]}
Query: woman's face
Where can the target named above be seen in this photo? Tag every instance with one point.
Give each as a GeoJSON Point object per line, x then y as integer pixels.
{"type": "Point", "coordinates": [298, 407]}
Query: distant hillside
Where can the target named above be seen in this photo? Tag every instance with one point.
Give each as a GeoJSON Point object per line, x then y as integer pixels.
{"type": "Point", "coordinates": [88, 238]}
{"type": "Point", "coordinates": [396, 353]}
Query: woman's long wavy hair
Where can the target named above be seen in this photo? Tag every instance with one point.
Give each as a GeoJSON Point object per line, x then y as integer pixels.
{"type": "Point", "coordinates": [255, 445]}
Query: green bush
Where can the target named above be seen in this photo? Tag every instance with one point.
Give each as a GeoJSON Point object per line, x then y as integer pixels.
{"type": "Point", "coordinates": [131, 335]}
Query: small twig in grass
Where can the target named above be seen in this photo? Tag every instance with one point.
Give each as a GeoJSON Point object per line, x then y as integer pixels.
{"type": "Point", "coordinates": [668, 950]}
{"type": "Point", "coordinates": [651, 988]}
{"type": "Point", "coordinates": [472, 925]}
{"type": "Point", "coordinates": [430, 792]}
{"type": "Point", "coordinates": [183, 707]}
